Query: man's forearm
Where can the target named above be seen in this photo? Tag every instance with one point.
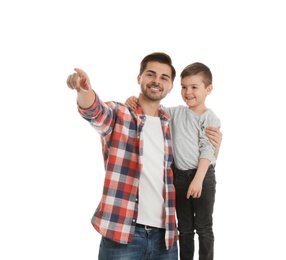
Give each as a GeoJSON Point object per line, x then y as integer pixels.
{"type": "Point", "coordinates": [85, 98]}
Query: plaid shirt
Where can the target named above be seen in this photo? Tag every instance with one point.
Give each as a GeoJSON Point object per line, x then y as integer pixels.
{"type": "Point", "coordinates": [122, 147]}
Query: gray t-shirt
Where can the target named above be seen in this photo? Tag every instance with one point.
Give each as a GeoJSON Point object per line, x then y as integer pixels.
{"type": "Point", "coordinates": [188, 136]}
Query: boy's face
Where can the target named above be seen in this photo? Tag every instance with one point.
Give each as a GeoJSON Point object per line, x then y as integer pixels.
{"type": "Point", "coordinates": [156, 81]}
{"type": "Point", "coordinates": [194, 91]}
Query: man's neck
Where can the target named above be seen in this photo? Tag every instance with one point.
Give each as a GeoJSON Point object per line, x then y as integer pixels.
{"type": "Point", "coordinates": [150, 108]}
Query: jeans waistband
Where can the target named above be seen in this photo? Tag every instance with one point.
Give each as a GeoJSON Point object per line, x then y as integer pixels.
{"type": "Point", "coordinates": [146, 227]}
{"type": "Point", "coordinates": [190, 171]}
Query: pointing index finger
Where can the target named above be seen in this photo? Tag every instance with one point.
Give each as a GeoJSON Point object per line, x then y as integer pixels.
{"type": "Point", "coordinates": [80, 72]}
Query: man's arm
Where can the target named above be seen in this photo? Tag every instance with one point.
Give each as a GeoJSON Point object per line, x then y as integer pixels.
{"type": "Point", "coordinates": [81, 83]}
{"type": "Point", "coordinates": [215, 136]}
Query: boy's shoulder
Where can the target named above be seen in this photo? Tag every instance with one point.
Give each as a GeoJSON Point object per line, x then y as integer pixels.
{"type": "Point", "coordinates": [210, 112]}
{"type": "Point", "coordinates": [210, 116]}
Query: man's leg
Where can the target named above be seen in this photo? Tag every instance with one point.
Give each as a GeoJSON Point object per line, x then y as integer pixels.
{"type": "Point", "coordinates": [110, 250]}
{"type": "Point", "coordinates": [156, 249]}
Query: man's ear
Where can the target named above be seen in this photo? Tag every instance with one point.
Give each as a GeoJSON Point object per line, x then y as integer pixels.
{"type": "Point", "coordinates": [138, 79]}
{"type": "Point", "coordinates": [171, 87]}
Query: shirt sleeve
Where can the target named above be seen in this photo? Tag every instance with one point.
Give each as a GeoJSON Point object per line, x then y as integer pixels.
{"type": "Point", "coordinates": [206, 148]}
{"type": "Point", "coordinates": [100, 115]}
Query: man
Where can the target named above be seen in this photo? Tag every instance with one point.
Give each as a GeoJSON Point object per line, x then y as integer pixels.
{"type": "Point", "coordinates": [136, 219]}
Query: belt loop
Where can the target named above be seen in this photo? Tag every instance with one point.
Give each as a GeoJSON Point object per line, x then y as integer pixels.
{"type": "Point", "coordinates": [147, 228]}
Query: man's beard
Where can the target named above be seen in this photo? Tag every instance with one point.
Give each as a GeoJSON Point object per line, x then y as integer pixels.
{"type": "Point", "coordinates": [150, 96]}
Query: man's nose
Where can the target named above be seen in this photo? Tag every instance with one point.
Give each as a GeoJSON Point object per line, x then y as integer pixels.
{"type": "Point", "coordinates": [156, 80]}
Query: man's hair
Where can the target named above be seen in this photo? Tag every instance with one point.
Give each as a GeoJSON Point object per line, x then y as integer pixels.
{"type": "Point", "coordinates": [159, 57]}
{"type": "Point", "coordinates": [198, 68]}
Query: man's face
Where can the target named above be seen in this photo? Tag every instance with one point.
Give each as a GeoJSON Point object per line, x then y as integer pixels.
{"type": "Point", "coordinates": [156, 81]}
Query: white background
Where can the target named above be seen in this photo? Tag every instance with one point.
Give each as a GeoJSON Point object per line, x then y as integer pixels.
{"type": "Point", "coordinates": [51, 165]}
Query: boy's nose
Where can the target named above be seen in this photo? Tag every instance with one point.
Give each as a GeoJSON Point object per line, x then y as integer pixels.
{"type": "Point", "coordinates": [188, 91]}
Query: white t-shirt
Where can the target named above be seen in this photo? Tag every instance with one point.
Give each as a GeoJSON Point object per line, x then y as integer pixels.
{"type": "Point", "coordinates": [151, 209]}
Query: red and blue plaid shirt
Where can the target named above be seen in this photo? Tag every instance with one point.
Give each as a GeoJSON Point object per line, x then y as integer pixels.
{"type": "Point", "coordinates": [120, 129]}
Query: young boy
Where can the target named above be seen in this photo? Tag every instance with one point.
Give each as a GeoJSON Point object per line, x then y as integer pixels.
{"type": "Point", "coordinates": [194, 161]}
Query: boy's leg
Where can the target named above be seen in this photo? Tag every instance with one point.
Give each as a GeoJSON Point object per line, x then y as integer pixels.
{"type": "Point", "coordinates": [185, 215]}
{"type": "Point", "coordinates": [203, 207]}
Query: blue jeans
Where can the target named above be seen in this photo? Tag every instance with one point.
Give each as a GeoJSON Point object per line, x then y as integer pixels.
{"type": "Point", "coordinates": [147, 244]}
{"type": "Point", "coordinates": [195, 214]}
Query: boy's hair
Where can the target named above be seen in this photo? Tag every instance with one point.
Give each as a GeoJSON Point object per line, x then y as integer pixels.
{"type": "Point", "coordinates": [198, 68]}
{"type": "Point", "coordinates": [159, 57]}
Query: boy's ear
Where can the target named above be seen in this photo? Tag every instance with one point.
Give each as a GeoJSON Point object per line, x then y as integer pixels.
{"type": "Point", "coordinates": [209, 89]}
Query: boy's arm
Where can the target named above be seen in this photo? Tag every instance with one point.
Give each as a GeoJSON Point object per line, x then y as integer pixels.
{"type": "Point", "coordinates": [210, 141]}
{"type": "Point", "coordinates": [216, 153]}
{"type": "Point", "coordinates": [215, 136]}
{"type": "Point", "coordinates": [196, 186]}
{"type": "Point", "coordinates": [132, 102]}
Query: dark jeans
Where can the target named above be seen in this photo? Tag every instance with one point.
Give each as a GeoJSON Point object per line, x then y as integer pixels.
{"type": "Point", "coordinates": [195, 214]}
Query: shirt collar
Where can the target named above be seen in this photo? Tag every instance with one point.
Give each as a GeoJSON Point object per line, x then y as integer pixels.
{"type": "Point", "coordinates": [162, 113]}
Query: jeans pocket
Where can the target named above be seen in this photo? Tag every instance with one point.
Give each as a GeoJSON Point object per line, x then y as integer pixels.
{"type": "Point", "coordinates": [108, 243]}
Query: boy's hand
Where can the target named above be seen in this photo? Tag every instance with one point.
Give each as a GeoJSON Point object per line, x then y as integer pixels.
{"type": "Point", "coordinates": [78, 81]}
{"type": "Point", "coordinates": [132, 102]}
{"type": "Point", "coordinates": [195, 189]}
